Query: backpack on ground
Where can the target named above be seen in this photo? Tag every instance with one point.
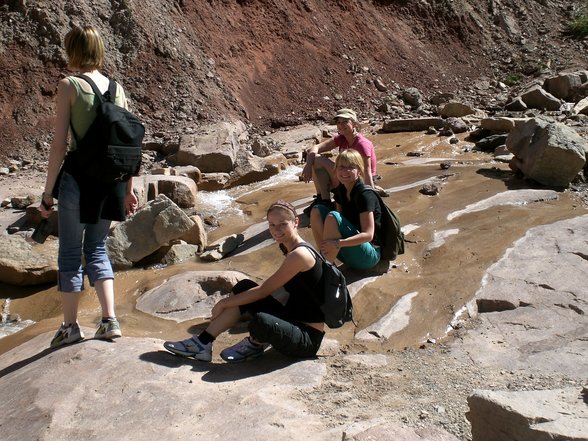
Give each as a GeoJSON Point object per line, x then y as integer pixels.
{"type": "Point", "coordinates": [390, 234]}
{"type": "Point", "coordinates": [336, 304]}
{"type": "Point", "coordinates": [110, 151]}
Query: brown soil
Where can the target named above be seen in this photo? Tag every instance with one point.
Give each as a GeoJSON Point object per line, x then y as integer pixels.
{"type": "Point", "coordinates": [275, 63]}
{"type": "Point", "coordinates": [189, 63]}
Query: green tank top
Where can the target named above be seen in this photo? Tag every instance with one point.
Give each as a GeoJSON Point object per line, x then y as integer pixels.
{"type": "Point", "coordinates": [83, 110]}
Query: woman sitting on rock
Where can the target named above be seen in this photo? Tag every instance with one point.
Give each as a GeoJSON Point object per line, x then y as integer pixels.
{"type": "Point", "coordinates": [349, 233]}
{"type": "Point", "coordinates": [295, 328]}
{"type": "Point", "coordinates": [321, 170]}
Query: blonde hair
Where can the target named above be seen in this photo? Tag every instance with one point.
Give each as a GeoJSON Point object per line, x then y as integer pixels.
{"type": "Point", "coordinates": [84, 48]}
{"type": "Point", "coordinates": [350, 157]}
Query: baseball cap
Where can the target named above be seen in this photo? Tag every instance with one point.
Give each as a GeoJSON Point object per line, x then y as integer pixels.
{"type": "Point", "coordinates": [347, 114]}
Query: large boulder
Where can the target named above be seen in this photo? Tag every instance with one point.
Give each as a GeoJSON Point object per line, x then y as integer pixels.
{"type": "Point", "coordinates": [296, 139]}
{"type": "Point", "coordinates": [250, 168]}
{"type": "Point", "coordinates": [212, 150]}
{"type": "Point", "coordinates": [154, 225]}
{"type": "Point", "coordinates": [550, 153]}
{"type": "Point", "coordinates": [181, 190]}
{"type": "Point", "coordinates": [24, 264]}
{"type": "Point", "coordinates": [411, 125]}
{"type": "Point", "coordinates": [455, 109]}
{"type": "Point", "coordinates": [188, 295]}
{"type": "Point", "coordinates": [197, 234]}
{"type": "Point", "coordinates": [542, 415]}
{"type": "Point", "coordinates": [566, 86]}
{"type": "Point", "coordinates": [581, 107]}
{"type": "Point", "coordinates": [537, 98]}
{"type": "Point", "coordinates": [501, 124]}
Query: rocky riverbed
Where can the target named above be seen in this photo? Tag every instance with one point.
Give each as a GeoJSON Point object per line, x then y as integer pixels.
{"type": "Point", "coordinates": [480, 241]}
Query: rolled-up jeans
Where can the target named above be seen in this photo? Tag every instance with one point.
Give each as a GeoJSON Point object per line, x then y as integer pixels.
{"type": "Point", "coordinates": [75, 238]}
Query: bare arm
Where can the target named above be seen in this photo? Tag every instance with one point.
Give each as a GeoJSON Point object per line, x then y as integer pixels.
{"type": "Point", "coordinates": [367, 171]}
{"type": "Point", "coordinates": [65, 96]}
{"type": "Point", "coordinates": [368, 226]}
{"type": "Point", "coordinates": [297, 261]}
{"type": "Point", "coordinates": [311, 153]}
{"type": "Point", "coordinates": [331, 246]}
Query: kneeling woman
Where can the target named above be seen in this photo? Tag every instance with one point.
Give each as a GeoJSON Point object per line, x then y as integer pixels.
{"type": "Point", "coordinates": [350, 233]}
{"type": "Point", "coordinates": [295, 328]}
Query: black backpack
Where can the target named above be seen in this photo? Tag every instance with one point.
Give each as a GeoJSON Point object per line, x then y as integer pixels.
{"type": "Point", "coordinates": [390, 234]}
{"type": "Point", "coordinates": [110, 151]}
{"type": "Point", "coordinates": [336, 304]}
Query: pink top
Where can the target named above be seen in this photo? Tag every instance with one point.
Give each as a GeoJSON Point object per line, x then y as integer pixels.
{"type": "Point", "coordinates": [363, 145]}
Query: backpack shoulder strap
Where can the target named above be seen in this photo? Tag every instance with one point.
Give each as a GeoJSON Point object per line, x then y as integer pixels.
{"type": "Point", "coordinates": [112, 90]}
{"type": "Point", "coordinates": [311, 248]}
{"type": "Point", "coordinates": [362, 188]}
{"type": "Point", "coordinates": [102, 97]}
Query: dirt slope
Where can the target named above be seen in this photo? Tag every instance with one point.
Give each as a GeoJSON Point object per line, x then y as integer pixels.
{"type": "Point", "coordinates": [189, 62]}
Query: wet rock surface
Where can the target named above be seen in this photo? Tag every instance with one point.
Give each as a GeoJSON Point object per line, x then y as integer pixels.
{"type": "Point", "coordinates": [397, 371]}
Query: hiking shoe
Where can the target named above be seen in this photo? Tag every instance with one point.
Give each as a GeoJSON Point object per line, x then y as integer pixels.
{"type": "Point", "coordinates": [66, 335]}
{"type": "Point", "coordinates": [108, 330]}
{"type": "Point", "coordinates": [319, 201]}
{"type": "Point", "coordinates": [242, 351]}
{"type": "Point", "coordinates": [191, 347]}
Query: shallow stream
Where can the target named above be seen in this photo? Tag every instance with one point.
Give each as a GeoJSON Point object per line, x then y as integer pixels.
{"type": "Point", "coordinates": [450, 243]}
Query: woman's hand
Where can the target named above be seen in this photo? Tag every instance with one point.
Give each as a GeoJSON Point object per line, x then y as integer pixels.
{"type": "Point", "coordinates": [46, 205]}
{"type": "Point", "coordinates": [217, 309]}
{"type": "Point", "coordinates": [131, 203]}
{"type": "Point", "coordinates": [330, 248]}
{"type": "Point", "coordinates": [307, 172]}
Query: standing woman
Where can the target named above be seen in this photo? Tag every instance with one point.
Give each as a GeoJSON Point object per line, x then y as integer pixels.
{"type": "Point", "coordinates": [85, 208]}
{"type": "Point", "coordinates": [295, 328]}
{"type": "Point", "coordinates": [349, 233]}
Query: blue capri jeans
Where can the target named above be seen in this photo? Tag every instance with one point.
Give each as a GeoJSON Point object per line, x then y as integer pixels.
{"type": "Point", "coordinates": [362, 256]}
{"type": "Point", "coordinates": [75, 238]}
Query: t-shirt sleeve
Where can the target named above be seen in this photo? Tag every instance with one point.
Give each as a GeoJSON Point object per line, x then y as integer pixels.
{"type": "Point", "coordinates": [367, 201]}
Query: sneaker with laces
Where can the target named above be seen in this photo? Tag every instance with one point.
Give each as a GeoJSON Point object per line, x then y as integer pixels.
{"type": "Point", "coordinates": [108, 330]}
{"type": "Point", "coordinates": [191, 347]}
{"type": "Point", "coordinates": [243, 351]}
{"type": "Point", "coordinates": [66, 335]}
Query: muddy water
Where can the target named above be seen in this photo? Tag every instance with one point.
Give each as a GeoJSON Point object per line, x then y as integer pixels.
{"type": "Point", "coordinates": [445, 258]}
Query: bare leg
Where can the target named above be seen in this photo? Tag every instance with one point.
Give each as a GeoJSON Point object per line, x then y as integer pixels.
{"type": "Point", "coordinates": [331, 231]}
{"type": "Point", "coordinates": [70, 302]}
{"type": "Point", "coordinates": [317, 225]}
{"type": "Point", "coordinates": [324, 176]}
{"type": "Point", "coordinates": [322, 181]}
{"type": "Point", "coordinates": [105, 292]}
{"type": "Point", "coordinates": [224, 321]}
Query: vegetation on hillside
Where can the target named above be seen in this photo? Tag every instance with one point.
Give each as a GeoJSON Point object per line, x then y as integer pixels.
{"type": "Point", "coordinates": [578, 27]}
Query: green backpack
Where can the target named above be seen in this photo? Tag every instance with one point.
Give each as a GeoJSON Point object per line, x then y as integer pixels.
{"type": "Point", "coordinates": [391, 236]}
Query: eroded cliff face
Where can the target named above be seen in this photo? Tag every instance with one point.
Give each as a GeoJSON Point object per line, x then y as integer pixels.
{"type": "Point", "coordinates": [186, 63]}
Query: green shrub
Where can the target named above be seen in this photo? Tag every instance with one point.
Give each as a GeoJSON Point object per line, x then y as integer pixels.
{"type": "Point", "coordinates": [512, 79]}
{"type": "Point", "coordinates": [579, 26]}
